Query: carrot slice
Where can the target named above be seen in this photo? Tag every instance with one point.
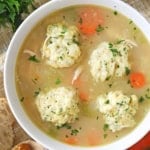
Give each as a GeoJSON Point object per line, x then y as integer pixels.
{"type": "Point", "coordinates": [71, 140]}
{"type": "Point", "coordinates": [137, 80]}
{"type": "Point", "coordinates": [94, 138]}
{"type": "Point", "coordinates": [90, 18]}
{"type": "Point", "coordinates": [83, 96]}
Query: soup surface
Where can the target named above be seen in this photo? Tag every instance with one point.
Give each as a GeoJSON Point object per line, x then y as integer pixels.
{"type": "Point", "coordinates": [34, 76]}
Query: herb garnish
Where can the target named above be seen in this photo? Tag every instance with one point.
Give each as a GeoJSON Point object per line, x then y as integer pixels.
{"type": "Point", "coordinates": [127, 70]}
{"type": "Point", "coordinates": [22, 99]}
{"type": "Point", "coordinates": [110, 45]}
{"type": "Point", "coordinates": [130, 22]}
{"type": "Point", "coordinates": [74, 132]}
{"type": "Point", "coordinates": [36, 93]}
{"type": "Point", "coordinates": [107, 102]}
{"type": "Point", "coordinates": [67, 126]}
{"type": "Point", "coordinates": [11, 11]}
{"type": "Point", "coordinates": [66, 136]}
{"type": "Point", "coordinates": [64, 30]}
{"type": "Point", "coordinates": [105, 136]}
{"type": "Point", "coordinates": [108, 78]}
{"type": "Point", "coordinates": [147, 96]}
{"type": "Point", "coordinates": [128, 82]}
{"type": "Point", "coordinates": [34, 59]}
{"type": "Point", "coordinates": [141, 99]}
{"type": "Point", "coordinates": [115, 12]}
{"type": "Point", "coordinates": [80, 20]}
{"type": "Point", "coordinates": [99, 28]}
{"type": "Point", "coordinates": [114, 51]}
{"type": "Point", "coordinates": [110, 85]}
{"type": "Point", "coordinates": [97, 117]}
{"type": "Point", "coordinates": [75, 41]}
{"type": "Point", "coordinates": [105, 127]}
{"type": "Point", "coordinates": [119, 41]}
{"type": "Point", "coordinates": [58, 81]}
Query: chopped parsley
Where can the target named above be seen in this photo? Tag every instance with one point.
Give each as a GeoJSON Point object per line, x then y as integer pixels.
{"type": "Point", "coordinates": [74, 132]}
{"type": "Point", "coordinates": [11, 11]}
{"type": "Point", "coordinates": [114, 51]}
{"type": "Point", "coordinates": [115, 13]}
{"type": "Point", "coordinates": [110, 85]}
{"type": "Point", "coordinates": [130, 22]}
{"type": "Point", "coordinates": [67, 126]}
{"type": "Point", "coordinates": [147, 96]}
{"type": "Point", "coordinates": [141, 99]}
{"type": "Point", "coordinates": [107, 102]}
{"type": "Point", "coordinates": [61, 57]}
{"type": "Point", "coordinates": [80, 20]}
{"type": "Point", "coordinates": [22, 99]}
{"type": "Point", "coordinates": [127, 70]}
{"type": "Point", "coordinates": [108, 78]}
{"type": "Point", "coordinates": [97, 117]}
{"type": "Point", "coordinates": [58, 81]}
{"type": "Point", "coordinates": [33, 58]}
{"type": "Point", "coordinates": [75, 41]}
{"type": "Point", "coordinates": [110, 45]}
{"type": "Point", "coordinates": [36, 93]}
{"type": "Point", "coordinates": [64, 17]}
{"type": "Point", "coordinates": [76, 118]}
{"type": "Point", "coordinates": [128, 82]}
{"type": "Point", "coordinates": [105, 136]}
{"type": "Point", "coordinates": [119, 41]}
{"type": "Point", "coordinates": [99, 28]}
{"type": "Point", "coordinates": [105, 127]}
{"type": "Point", "coordinates": [64, 30]}
{"type": "Point", "coordinates": [66, 136]}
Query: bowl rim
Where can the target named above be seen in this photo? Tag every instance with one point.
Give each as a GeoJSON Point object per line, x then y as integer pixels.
{"type": "Point", "coordinates": [9, 74]}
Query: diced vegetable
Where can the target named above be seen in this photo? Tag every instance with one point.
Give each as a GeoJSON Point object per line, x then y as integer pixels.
{"type": "Point", "coordinates": [34, 59]}
{"type": "Point", "coordinates": [137, 79]}
{"type": "Point", "coordinates": [71, 140]}
{"type": "Point", "coordinates": [90, 20]}
{"type": "Point", "coordinates": [83, 96]}
{"type": "Point", "coordinates": [94, 138]}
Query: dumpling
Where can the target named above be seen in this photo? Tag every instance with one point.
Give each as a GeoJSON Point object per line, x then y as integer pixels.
{"type": "Point", "coordinates": [59, 105]}
{"type": "Point", "coordinates": [61, 46]}
{"type": "Point", "coordinates": [110, 59]}
{"type": "Point", "coordinates": [118, 109]}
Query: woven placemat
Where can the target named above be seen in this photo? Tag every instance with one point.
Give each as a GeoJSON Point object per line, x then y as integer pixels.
{"type": "Point", "coordinates": [143, 6]}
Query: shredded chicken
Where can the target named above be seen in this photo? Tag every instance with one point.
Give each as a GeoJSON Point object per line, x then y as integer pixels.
{"type": "Point", "coordinates": [77, 73]}
{"type": "Point", "coordinates": [31, 53]}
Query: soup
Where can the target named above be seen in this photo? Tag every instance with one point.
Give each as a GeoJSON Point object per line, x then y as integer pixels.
{"type": "Point", "coordinates": [45, 82]}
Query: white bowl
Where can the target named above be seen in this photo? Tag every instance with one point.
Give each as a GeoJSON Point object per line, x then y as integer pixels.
{"type": "Point", "coordinates": [9, 74]}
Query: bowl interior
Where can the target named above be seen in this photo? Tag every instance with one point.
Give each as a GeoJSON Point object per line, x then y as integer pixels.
{"type": "Point", "coordinates": [9, 71]}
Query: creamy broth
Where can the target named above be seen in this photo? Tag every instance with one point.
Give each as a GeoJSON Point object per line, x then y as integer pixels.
{"type": "Point", "coordinates": [33, 77]}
